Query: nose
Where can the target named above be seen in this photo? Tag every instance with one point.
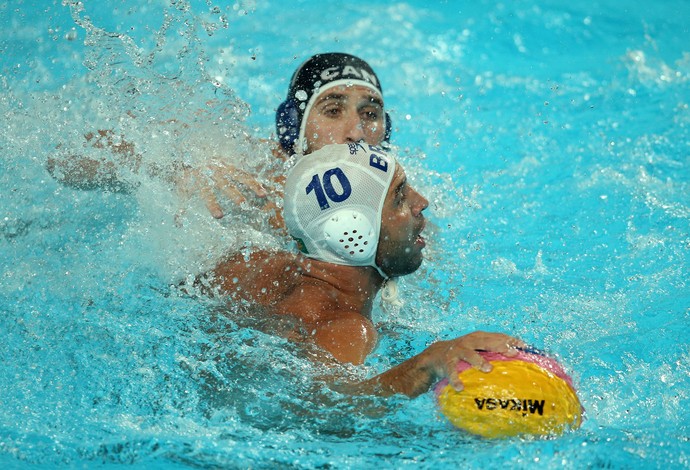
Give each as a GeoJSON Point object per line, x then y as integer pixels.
{"type": "Point", "coordinates": [419, 203]}
{"type": "Point", "coordinates": [354, 130]}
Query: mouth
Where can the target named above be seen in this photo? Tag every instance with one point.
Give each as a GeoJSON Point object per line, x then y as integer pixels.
{"type": "Point", "coordinates": [420, 241]}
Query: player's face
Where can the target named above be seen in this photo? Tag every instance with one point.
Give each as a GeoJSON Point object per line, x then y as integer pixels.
{"type": "Point", "coordinates": [402, 222]}
{"type": "Point", "coordinates": [345, 114]}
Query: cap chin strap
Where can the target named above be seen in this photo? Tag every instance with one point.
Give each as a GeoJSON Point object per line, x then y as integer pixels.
{"type": "Point", "coordinates": [389, 292]}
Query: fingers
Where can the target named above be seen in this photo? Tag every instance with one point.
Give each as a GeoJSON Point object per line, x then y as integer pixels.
{"type": "Point", "coordinates": [276, 219]}
{"type": "Point", "coordinates": [494, 342]}
{"type": "Point", "coordinates": [211, 203]}
{"type": "Point", "coordinates": [250, 182]}
{"type": "Point", "coordinates": [458, 352]}
{"type": "Point", "coordinates": [455, 382]}
{"type": "Point", "coordinates": [467, 349]}
{"type": "Point", "coordinates": [226, 179]}
{"type": "Point", "coordinates": [218, 178]}
{"type": "Point", "coordinates": [227, 188]}
{"type": "Point", "coordinates": [513, 346]}
{"type": "Point", "coordinates": [224, 174]}
{"type": "Point", "coordinates": [441, 359]}
{"type": "Point", "coordinates": [471, 357]}
{"type": "Point", "coordinates": [476, 360]}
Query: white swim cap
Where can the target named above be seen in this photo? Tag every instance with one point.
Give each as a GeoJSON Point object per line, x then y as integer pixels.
{"type": "Point", "coordinates": [333, 202]}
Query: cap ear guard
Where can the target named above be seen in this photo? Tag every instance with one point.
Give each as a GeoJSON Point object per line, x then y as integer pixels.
{"type": "Point", "coordinates": [389, 130]}
{"type": "Point", "coordinates": [351, 235]}
{"type": "Point", "coordinates": [288, 126]}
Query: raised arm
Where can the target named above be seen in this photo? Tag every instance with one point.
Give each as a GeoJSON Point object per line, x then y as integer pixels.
{"type": "Point", "coordinates": [105, 157]}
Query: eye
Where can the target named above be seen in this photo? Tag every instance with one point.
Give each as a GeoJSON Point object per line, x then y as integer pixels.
{"type": "Point", "coordinates": [400, 196]}
{"type": "Point", "coordinates": [370, 116]}
{"type": "Point", "coordinates": [332, 111]}
{"type": "Point", "coordinates": [370, 113]}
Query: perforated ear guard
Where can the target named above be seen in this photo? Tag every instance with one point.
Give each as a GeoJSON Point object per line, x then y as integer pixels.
{"type": "Point", "coordinates": [288, 125]}
{"type": "Point", "coordinates": [350, 234]}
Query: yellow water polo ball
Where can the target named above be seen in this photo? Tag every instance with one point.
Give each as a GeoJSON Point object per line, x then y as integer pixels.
{"type": "Point", "coordinates": [529, 394]}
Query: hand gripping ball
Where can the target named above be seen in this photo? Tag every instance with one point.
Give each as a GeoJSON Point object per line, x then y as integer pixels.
{"type": "Point", "coordinates": [528, 394]}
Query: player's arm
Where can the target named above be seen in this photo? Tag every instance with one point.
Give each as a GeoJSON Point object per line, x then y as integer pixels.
{"type": "Point", "coordinates": [347, 336]}
{"type": "Point", "coordinates": [85, 173]}
{"type": "Point", "coordinates": [108, 154]}
{"type": "Point", "coordinates": [419, 373]}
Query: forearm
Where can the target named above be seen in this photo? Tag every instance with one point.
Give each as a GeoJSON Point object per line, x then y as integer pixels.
{"type": "Point", "coordinates": [411, 378]}
{"type": "Point", "coordinates": [419, 373]}
{"type": "Point", "coordinates": [85, 173]}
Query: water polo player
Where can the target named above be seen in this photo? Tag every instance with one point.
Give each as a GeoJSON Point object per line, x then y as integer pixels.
{"type": "Point", "coordinates": [357, 222]}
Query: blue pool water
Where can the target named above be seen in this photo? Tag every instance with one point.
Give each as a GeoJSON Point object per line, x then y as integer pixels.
{"type": "Point", "coordinates": [553, 142]}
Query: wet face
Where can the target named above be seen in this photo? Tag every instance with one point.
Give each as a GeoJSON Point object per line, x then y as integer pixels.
{"type": "Point", "coordinates": [345, 114]}
{"type": "Point", "coordinates": [400, 243]}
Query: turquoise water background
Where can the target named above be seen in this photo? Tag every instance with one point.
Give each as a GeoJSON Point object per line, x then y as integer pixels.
{"type": "Point", "coordinates": [552, 141]}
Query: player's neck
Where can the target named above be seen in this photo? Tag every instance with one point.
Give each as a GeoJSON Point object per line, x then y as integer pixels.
{"type": "Point", "coordinates": [356, 286]}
